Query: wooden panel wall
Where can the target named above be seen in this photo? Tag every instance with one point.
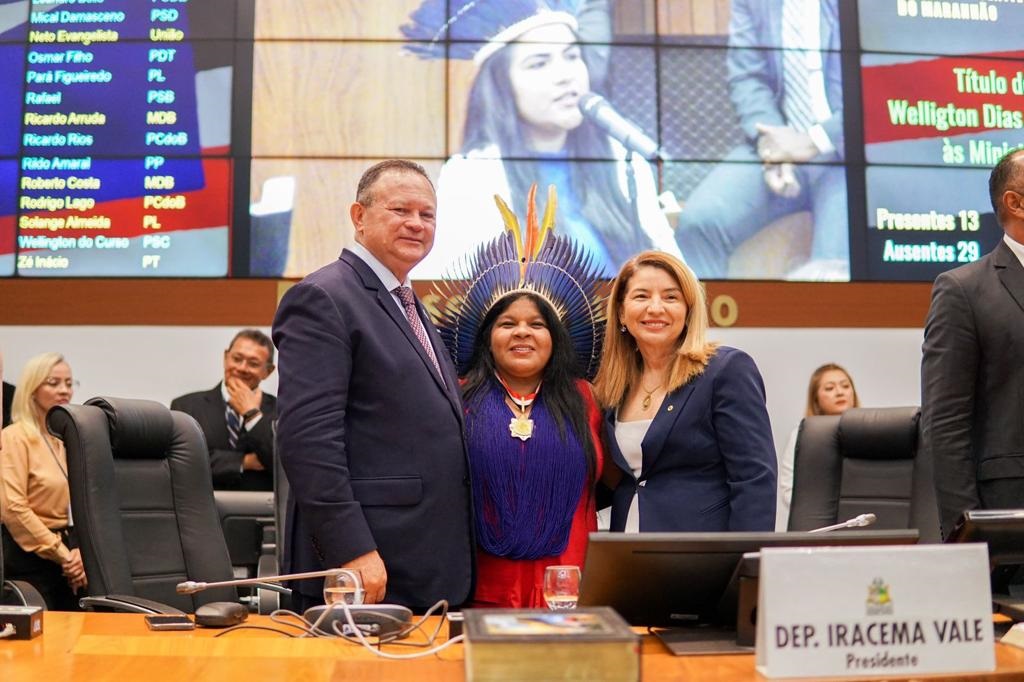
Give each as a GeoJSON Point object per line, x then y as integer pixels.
{"type": "Point", "coordinates": [252, 302]}
{"type": "Point", "coordinates": [331, 99]}
{"type": "Point", "coordinates": [332, 19]}
{"type": "Point", "coordinates": [672, 17]}
{"type": "Point", "coordinates": [693, 17]}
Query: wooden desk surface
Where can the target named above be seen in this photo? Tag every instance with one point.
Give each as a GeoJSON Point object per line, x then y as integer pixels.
{"type": "Point", "coordinates": [103, 646]}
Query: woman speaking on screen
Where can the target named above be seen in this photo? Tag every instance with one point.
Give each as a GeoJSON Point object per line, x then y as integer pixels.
{"type": "Point", "coordinates": [524, 125]}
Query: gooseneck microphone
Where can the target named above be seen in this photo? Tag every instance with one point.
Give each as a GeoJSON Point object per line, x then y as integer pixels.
{"type": "Point", "coordinates": [597, 109]}
{"type": "Point", "coordinates": [856, 522]}
{"type": "Point", "coordinates": [193, 586]}
{"type": "Point", "coordinates": [379, 620]}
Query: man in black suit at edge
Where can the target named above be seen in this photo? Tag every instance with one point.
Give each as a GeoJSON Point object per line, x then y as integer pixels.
{"type": "Point", "coordinates": [370, 419]}
{"type": "Point", "coordinates": [236, 416]}
{"type": "Point", "coordinates": [972, 376]}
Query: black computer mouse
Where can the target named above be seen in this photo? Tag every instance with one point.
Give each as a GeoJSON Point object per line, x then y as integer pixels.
{"type": "Point", "coordinates": [221, 614]}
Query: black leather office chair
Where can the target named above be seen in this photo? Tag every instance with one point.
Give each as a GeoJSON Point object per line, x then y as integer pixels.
{"type": "Point", "coordinates": [864, 461]}
{"type": "Point", "coordinates": [142, 499]}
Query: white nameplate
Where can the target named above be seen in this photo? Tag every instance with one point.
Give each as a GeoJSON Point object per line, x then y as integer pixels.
{"type": "Point", "coordinates": [861, 611]}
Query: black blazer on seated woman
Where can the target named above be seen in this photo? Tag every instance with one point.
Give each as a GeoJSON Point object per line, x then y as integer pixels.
{"type": "Point", "coordinates": [708, 457]}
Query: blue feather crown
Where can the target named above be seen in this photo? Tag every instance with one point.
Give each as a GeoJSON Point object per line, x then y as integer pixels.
{"type": "Point", "coordinates": [555, 268]}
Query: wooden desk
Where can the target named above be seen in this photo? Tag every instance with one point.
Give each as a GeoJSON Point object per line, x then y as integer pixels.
{"type": "Point", "coordinates": [102, 646]}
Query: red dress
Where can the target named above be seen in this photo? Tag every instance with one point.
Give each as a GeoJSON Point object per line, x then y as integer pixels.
{"type": "Point", "coordinates": [518, 583]}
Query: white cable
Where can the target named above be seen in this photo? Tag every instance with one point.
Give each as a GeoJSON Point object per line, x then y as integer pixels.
{"type": "Point", "coordinates": [359, 637]}
{"type": "Point", "coordinates": [395, 657]}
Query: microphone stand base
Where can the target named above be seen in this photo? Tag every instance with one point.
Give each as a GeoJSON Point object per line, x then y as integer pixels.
{"type": "Point", "coordinates": [375, 620]}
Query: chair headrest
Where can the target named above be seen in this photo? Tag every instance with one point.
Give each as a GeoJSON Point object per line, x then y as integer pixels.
{"type": "Point", "coordinates": [879, 432]}
{"type": "Point", "coordinates": [139, 429]}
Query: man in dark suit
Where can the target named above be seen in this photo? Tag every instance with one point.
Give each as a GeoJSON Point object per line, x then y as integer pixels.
{"type": "Point", "coordinates": [237, 417]}
{"type": "Point", "coordinates": [972, 378]}
{"type": "Point", "coordinates": [370, 419]}
{"type": "Point", "coordinates": [790, 107]}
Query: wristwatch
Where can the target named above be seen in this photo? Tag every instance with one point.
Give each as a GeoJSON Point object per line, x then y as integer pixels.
{"type": "Point", "coordinates": [251, 413]}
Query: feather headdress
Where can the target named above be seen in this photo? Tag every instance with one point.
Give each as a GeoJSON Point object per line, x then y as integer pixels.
{"type": "Point", "coordinates": [525, 259]}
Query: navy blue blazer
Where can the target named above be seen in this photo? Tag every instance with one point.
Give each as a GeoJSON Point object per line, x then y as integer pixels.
{"type": "Point", "coordinates": [708, 457]}
{"type": "Point", "coordinates": [371, 439]}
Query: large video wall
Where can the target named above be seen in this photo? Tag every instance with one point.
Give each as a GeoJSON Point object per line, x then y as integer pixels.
{"type": "Point", "coordinates": [213, 138]}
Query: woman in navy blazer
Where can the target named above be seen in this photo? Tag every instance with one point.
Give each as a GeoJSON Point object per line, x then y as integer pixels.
{"type": "Point", "coordinates": [686, 420]}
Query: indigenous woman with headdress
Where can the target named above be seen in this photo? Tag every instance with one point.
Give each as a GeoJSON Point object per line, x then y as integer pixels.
{"type": "Point", "coordinates": [524, 124]}
{"type": "Point", "coordinates": [523, 324]}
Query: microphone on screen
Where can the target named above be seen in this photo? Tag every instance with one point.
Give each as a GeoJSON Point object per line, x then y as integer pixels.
{"type": "Point", "coordinates": [856, 522]}
{"type": "Point", "coordinates": [598, 110]}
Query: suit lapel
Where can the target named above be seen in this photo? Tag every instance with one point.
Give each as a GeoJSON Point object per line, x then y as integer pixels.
{"type": "Point", "coordinates": [215, 411]}
{"type": "Point", "coordinates": [388, 304]}
{"type": "Point", "coordinates": [451, 378]}
{"type": "Point", "coordinates": [1010, 272]}
{"type": "Point", "coordinates": [770, 33]}
{"type": "Point", "coordinates": [609, 419]}
{"type": "Point", "coordinates": [663, 423]}
{"type": "Point", "coordinates": [829, 24]}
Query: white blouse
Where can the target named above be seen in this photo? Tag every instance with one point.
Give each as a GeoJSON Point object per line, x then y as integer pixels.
{"type": "Point", "coordinates": [630, 437]}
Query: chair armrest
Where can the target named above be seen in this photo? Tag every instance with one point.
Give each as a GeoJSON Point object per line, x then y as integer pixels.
{"type": "Point", "coordinates": [22, 592]}
{"type": "Point", "coordinates": [123, 603]}
{"type": "Point", "coordinates": [270, 597]}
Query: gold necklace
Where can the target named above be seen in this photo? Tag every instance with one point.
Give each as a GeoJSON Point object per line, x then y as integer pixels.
{"type": "Point", "coordinates": [646, 402]}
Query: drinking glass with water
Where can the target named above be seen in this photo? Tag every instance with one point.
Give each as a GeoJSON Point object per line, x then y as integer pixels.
{"type": "Point", "coordinates": [343, 585]}
{"type": "Point", "coordinates": [561, 587]}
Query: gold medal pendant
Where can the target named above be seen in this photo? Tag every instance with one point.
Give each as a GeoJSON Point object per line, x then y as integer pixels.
{"type": "Point", "coordinates": [521, 428]}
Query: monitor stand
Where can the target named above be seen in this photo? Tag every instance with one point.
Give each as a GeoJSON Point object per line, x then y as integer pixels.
{"type": "Point", "coordinates": [735, 632]}
{"type": "Point", "coordinates": [701, 640]}
{"type": "Point", "coordinates": [1010, 606]}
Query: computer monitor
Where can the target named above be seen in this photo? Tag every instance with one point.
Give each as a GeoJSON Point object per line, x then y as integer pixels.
{"type": "Point", "coordinates": [1003, 531]}
{"type": "Point", "coordinates": [677, 579]}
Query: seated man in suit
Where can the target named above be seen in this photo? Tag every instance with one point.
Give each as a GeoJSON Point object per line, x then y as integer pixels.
{"type": "Point", "coordinates": [790, 105]}
{"type": "Point", "coordinates": [236, 416]}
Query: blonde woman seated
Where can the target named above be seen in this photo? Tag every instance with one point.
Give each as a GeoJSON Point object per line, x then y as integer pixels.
{"type": "Point", "coordinates": [34, 498]}
{"type": "Point", "coordinates": [829, 392]}
{"type": "Point", "coordinates": [686, 420]}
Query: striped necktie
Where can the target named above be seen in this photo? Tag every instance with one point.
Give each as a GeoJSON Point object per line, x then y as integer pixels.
{"type": "Point", "coordinates": [796, 76]}
{"type": "Point", "coordinates": [234, 425]}
{"type": "Point", "coordinates": [408, 299]}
